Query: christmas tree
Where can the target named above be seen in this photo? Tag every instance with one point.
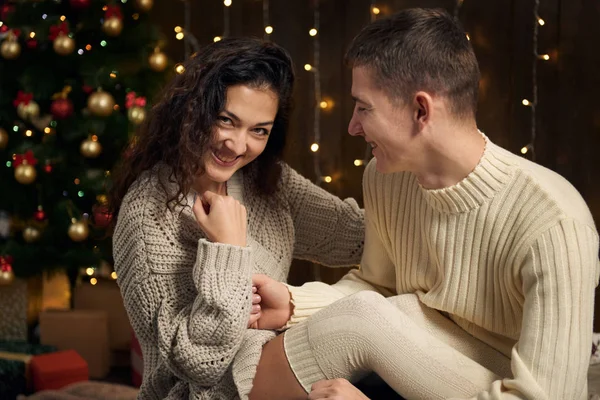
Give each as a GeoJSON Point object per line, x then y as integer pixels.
{"type": "Point", "coordinates": [74, 79]}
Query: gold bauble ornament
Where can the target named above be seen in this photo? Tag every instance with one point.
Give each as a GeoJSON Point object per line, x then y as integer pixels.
{"type": "Point", "coordinates": [6, 277]}
{"type": "Point", "coordinates": [144, 5]}
{"type": "Point", "coordinates": [102, 199]}
{"type": "Point", "coordinates": [90, 148]}
{"type": "Point", "coordinates": [25, 174]}
{"type": "Point", "coordinates": [63, 45]}
{"type": "Point", "coordinates": [78, 231]}
{"type": "Point", "coordinates": [101, 103]}
{"type": "Point", "coordinates": [112, 26]}
{"type": "Point", "coordinates": [31, 234]}
{"type": "Point", "coordinates": [136, 115]}
{"type": "Point", "coordinates": [3, 139]}
{"type": "Point", "coordinates": [158, 61]}
{"type": "Point", "coordinates": [28, 111]}
{"type": "Point", "coordinates": [10, 49]}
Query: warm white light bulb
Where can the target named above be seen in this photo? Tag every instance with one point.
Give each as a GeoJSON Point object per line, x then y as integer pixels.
{"type": "Point", "coordinates": [268, 30]}
{"type": "Point", "coordinates": [216, 38]}
{"type": "Point", "coordinates": [525, 149]}
{"type": "Point", "coordinates": [358, 163]}
{"type": "Point", "coordinates": [179, 36]}
{"type": "Point", "coordinates": [526, 102]}
{"type": "Point", "coordinates": [327, 179]}
{"type": "Point", "coordinates": [323, 104]}
{"type": "Point", "coordinates": [375, 10]}
{"type": "Point", "coordinates": [307, 67]}
{"type": "Point", "coordinates": [227, 3]}
{"type": "Point", "coordinates": [313, 32]}
{"type": "Point", "coordinates": [541, 22]}
{"type": "Point", "coordinates": [314, 147]}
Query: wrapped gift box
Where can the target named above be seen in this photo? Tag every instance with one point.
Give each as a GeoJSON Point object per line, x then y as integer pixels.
{"type": "Point", "coordinates": [15, 358]}
{"type": "Point", "coordinates": [106, 296]}
{"type": "Point", "coordinates": [85, 331]}
{"type": "Point", "coordinates": [13, 311]}
{"type": "Point", "coordinates": [54, 371]}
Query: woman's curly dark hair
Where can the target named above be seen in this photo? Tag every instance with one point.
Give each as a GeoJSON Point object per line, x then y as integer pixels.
{"type": "Point", "coordinates": [180, 126]}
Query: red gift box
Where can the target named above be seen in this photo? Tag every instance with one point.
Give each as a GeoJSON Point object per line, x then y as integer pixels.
{"type": "Point", "coordinates": [57, 370]}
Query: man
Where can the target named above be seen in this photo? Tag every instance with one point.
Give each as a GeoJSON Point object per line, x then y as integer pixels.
{"type": "Point", "coordinates": [478, 274]}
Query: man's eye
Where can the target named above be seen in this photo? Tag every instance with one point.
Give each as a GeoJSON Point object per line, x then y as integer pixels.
{"type": "Point", "coordinates": [225, 120]}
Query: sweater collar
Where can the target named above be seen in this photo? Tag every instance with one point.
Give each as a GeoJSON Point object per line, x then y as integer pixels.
{"type": "Point", "coordinates": [491, 173]}
{"type": "Point", "coordinates": [235, 188]}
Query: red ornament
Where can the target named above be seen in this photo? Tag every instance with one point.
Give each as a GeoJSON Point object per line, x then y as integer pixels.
{"type": "Point", "coordinates": [39, 215]}
{"type": "Point", "coordinates": [48, 168]}
{"type": "Point", "coordinates": [80, 4]}
{"type": "Point", "coordinates": [25, 158]}
{"type": "Point", "coordinates": [87, 89]}
{"type": "Point", "coordinates": [22, 98]}
{"type": "Point", "coordinates": [6, 263]}
{"type": "Point", "coordinates": [4, 28]}
{"type": "Point", "coordinates": [132, 101]}
{"type": "Point", "coordinates": [32, 44]}
{"type": "Point", "coordinates": [113, 11]}
{"type": "Point", "coordinates": [60, 29]}
{"type": "Point", "coordinates": [102, 216]}
{"type": "Point", "coordinates": [61, 108]}
{"type": "Point", "coordinates": [5, 10]}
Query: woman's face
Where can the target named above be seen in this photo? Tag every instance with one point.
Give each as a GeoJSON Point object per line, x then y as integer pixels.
{"type": "Point", "coordinates": [241, 132]}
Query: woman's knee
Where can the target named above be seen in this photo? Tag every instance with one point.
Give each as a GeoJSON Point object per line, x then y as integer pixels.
{"type": "Point", "coordinates": [355, 315]}
{"type": "Point", "coordinates": [361, 303]}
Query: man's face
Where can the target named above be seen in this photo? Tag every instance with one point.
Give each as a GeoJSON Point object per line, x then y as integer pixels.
{"type": "Point", "coordinates": [387, 125]}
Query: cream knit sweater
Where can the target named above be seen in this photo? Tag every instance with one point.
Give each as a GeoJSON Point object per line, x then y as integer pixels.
{"type": "Point", "coordinates": [510, 253]}
{"type": "Point", "coordinates": [189, 300]}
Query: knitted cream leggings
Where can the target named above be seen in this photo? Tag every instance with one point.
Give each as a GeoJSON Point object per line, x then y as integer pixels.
{"type": "Point", "coordinates": [417, 351]}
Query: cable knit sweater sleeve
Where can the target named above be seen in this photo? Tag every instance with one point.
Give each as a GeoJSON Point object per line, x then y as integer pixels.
{"type": "Point", "coordinates": [376, 273]}
{"type": "Point", "coordinates": [197, 319]}
{"type": "Point", "coordinates": [328, 230]}
{"type": "Point", "coordinates": [200, 341]}
{"type": "Point", "coordinates": [559, 275]}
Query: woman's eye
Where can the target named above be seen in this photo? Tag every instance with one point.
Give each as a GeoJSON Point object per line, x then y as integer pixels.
{"type": "Point", "coordinates": [225, 120]}
{"type": "Point", "coordinates": [261, 131]}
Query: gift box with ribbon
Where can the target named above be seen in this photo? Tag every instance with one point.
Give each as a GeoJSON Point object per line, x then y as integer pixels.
{"type": "Point", "coordinates": [15, 359]}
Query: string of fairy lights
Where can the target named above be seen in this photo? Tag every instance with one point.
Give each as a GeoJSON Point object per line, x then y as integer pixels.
{"type": "Point", "coordinates": [374, 11]}
{"type": "Point", "coordinates": [320, 103]}
{"type": "Point", "coordinates": [533, 103]}
{"type": "Point", "coordinates": [267, 25]}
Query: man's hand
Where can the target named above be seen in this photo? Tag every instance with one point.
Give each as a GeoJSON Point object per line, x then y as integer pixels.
{"type": "Point", "coordinates": [275, 304]}
{"type": "Point", "coordinates": [335, 389]}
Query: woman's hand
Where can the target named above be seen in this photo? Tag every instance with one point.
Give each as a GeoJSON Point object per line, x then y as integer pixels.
{"type": "Point", "coordinates": [275, 304]}
{"type": "Point", "coordinates": [335, 389]}
{"type": "Point", "coordinates": [255, 312]}
{"type": "Point", "coordinates": [222, 218]}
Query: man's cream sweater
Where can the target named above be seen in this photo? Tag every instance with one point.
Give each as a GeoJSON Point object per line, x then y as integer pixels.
{"type": "Point", "coordinates": [510, 253]}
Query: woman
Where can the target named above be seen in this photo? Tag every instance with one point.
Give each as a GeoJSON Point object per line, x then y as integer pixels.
{"type": "Point", "coordinates": [203, 202]}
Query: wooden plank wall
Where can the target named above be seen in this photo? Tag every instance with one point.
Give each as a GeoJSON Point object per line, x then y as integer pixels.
{"type": "Point", "coordinates": [568, 115]}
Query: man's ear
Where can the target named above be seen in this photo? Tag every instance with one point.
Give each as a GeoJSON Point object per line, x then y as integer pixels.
{"type": "Point", "coordinates": [423, 107]}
